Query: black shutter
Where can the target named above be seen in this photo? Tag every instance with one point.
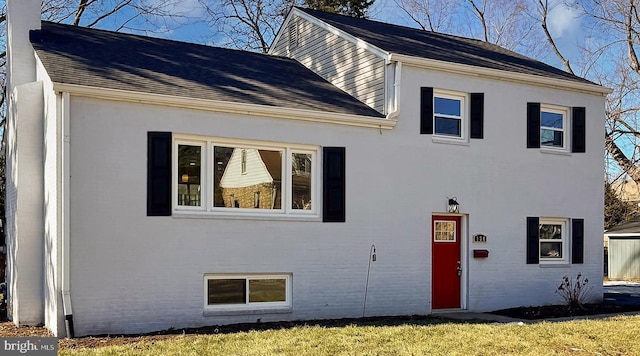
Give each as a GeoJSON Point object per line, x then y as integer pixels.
{"type": "Point", "coordinates": [577, 240]}
{"type": "Point", "coordinates": [477, 115]}
{"type": "Point", "coordinates": [426, 110]}
{"type": "Point", "coordinates": [158, 173]}
{"type": "Point", "coordinates": [578, 132]}
{"type": "Point", "coordinates": [533, 242]}
{"type": "Point", "coordinates": [333, 184]}
{"type": "Point", "coordinates": [533, 125]}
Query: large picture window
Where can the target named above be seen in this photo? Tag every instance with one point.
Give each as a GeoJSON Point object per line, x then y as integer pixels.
{"type": "Point", "coordinates": [247, 291]}
{"type": "Point", "coordinates": [245, 177]}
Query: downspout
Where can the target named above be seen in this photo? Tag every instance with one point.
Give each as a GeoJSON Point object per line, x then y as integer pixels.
{"type": "Point", "coordinates": [397, 79]}
{"type": "Point", "coordinates": [66, 256]}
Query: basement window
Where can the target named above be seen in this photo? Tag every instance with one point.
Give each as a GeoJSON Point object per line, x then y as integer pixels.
{"type": "Point", "coordinates": [247, 291]}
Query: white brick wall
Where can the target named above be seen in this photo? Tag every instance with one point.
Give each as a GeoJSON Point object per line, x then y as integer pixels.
{"type": "Point", "coordinates": [53, 314]}
{"type": "Point", "coordinates": [133, 273]}
{"type": "Point", "coordinates": [25, 205]}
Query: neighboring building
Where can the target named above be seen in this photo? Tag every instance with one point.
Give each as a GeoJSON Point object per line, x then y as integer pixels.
{"type": "Point", "coordinates": [627, 190]}
{"type": "Point", "coordinates": [623, 244]}
{"type": "Point", "coordinates": [123, 153]}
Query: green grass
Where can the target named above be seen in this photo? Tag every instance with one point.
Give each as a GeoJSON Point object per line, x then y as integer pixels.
{"type": "Point", "coordinates": [615, 336]}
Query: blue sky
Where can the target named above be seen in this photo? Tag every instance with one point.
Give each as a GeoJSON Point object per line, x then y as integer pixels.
{"type": "Point", "coordinates": [564, 24]}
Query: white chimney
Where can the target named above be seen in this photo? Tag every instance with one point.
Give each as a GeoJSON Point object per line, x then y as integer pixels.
{"type": "Point", "coordinates": [22, 16]}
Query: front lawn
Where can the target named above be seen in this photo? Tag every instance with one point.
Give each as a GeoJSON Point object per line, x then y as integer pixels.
{"type": "Point", "coordinates": [614, 336]}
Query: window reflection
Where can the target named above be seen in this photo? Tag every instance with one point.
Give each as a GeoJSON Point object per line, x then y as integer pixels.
{"type": "Point", "coordinates": [447, 116]}
{"type": "Point", "coordinates": [226, 291]}
{"type": "Point", "coordinates": [551, 129]}
{"type": "Point", "coordinates": [301, 180]}
{"type": "Point", "coordinates": [247, 178]}
{"type": "Point", "coordinates": [551, 240]}
{"type": "Point", "coordinates": [189, 163]}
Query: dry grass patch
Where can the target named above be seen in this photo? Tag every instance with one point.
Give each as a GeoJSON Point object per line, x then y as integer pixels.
{"type": "Point", "coordinates": [615, 336]}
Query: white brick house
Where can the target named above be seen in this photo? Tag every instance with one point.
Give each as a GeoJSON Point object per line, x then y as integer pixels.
{"type": "Point", "coordinates": [108, 131]}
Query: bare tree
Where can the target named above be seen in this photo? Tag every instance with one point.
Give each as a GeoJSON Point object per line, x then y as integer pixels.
{"type": "Point", "coordinates": [507, 23]}
{"type": "Point", "coordinates": [141, 16]}
{"type": "Point", "coordinates": [247, 24]}
{"type": "Point", "coordinates": [253, 24]}
{"type": "Point", "coordinates": [613, 61]}
{"type": "Point", "coordinates": [543, 11]}
{"type": "Point", "coordinates": [431, 15]}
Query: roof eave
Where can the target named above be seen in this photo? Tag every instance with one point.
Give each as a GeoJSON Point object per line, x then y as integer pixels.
{"type": "Point", "coordinates": [500, 74]}
{"type": "Point", "coordinates": [226, 106]}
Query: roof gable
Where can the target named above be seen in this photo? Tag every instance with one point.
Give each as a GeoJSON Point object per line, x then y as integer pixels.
{"type": "Point", "coordinates": [104, 59]}
{"type": "Point", "coordinates": [437, 46]}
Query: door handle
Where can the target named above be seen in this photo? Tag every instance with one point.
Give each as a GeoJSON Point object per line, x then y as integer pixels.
{"type": "Point", "coordinates": [459, 269]}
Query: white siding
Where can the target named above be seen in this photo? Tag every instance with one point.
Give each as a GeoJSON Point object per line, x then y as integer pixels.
{"type": "Point", "coordinates": [352, 69]}
{"type": "Point", "coordinates": [132, 273]}
{"type": "Point", "coordinates": [624, 257]}
{"type": "Point", "coordinates": [256, 170]}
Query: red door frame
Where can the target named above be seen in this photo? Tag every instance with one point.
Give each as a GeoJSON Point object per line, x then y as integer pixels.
{"type": "Point", "coordinates": [446, 262]}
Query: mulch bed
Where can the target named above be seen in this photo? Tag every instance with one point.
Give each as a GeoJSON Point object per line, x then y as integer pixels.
{"type": "Point", "coordinates": [559, 311]}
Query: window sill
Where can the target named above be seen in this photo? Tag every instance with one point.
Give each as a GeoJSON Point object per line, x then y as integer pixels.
{"type": "Point", "coordinates": [555, 151]}
{"type": "Point", "coordinates": [562, 264]}
{"type": "Point", "coordinates": [228, 216]}
{"type": "Point", "coordinates": [223, 312]}
{"type": "Point", "coordinates": [450, 141]}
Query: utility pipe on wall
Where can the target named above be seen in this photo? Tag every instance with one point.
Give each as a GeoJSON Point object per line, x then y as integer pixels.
{"type": "Point", "coordinates": [397, 80]}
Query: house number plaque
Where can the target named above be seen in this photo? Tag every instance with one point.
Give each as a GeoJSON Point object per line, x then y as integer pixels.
{"type": "Point", "coordinates": [481, 238]}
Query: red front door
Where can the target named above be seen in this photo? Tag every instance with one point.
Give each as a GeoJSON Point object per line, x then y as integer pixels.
{"type": "Point", "coordinates": [445, 242]}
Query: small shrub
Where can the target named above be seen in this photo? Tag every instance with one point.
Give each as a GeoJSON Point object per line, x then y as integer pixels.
{"type": "Point", "coordinates": [574, 291]}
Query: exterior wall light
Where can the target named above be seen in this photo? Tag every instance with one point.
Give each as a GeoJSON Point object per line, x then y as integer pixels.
{"type": "Point", "coordinates": [453, 206]}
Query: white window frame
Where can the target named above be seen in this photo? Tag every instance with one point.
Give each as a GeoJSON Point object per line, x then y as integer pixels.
{"type": "Point", "coordinates": [464, 115]}
{"type": "Point", "coordinates": [208, 145]}
{"type": "Point", "coordinates": [554, 109]}
{"type": "Point", "coordinates": [564, 240]}
{"type": "Point", "coordinates": [248, 305]}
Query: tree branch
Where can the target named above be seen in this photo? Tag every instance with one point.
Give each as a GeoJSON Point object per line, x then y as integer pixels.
{"type": "Point", "coordinates": [544, 11]}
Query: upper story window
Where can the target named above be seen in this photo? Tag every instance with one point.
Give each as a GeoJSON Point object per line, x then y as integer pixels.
{"type": "Point", "coordinates": [556, 129]}
{"type": "Point", "coordinates": [244, 177]}
{"type": "Point", "coordinates": [553, 127]}
{"type": "Point", "coordinates": [451, 117]}
{"type": "Point", "coordinates": [448, 118]}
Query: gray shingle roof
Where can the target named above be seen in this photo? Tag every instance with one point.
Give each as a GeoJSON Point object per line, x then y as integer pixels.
{"type": "Point", "coordinates": [438, 46]}
{"type": "Point", "coordinates": [626, 227]}
{"type": "Point", "coordinates": [103, 59]}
